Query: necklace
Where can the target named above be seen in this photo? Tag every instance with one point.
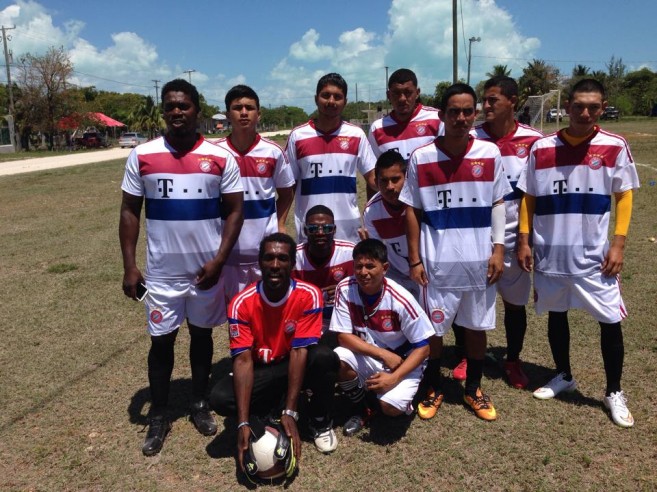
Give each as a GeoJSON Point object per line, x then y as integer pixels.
{"type": "Point", "coordinates": [377, 304]}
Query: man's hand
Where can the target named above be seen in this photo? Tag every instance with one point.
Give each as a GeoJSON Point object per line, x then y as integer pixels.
{"type": "Point", "coordinates": [495, 264]}
{"type": "Point", "coordinates": [524, 253]}
{"type": "Point", "coordinates": [363, 234]}
{"type": "Point", "coordinates": [613, 262]}
{"type": "Point", "coordinates": [329, 295]}
{"type": "Point", "coordinates": [381, 382]}
{"type": "Point", "coordinates": [131, 278]}
{"type": "Point", "coordinates": [292, 431]}
{"type": "Point", "coordinates": [208, 275]}
{"type": "Point", "coordinates": [418, 274]}
{"type": "Point", "coordinates": [390, 360]}
{"type": "Point", "coordinates": [243, 435]}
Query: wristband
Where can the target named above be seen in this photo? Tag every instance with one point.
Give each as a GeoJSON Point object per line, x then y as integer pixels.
{"type": "Point", "coordinates": [243, 424]}
{"type": "Point", "coordinates": [415, 264]}
{"type": "Point", "coordinates": [291, 413]}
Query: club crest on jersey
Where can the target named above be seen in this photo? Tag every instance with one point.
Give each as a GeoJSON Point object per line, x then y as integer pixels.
{"type": "Point", "coordinates": [290, 326]}
{"type": "Point", "coordinates": [338, 274]}
{"type": "Point", "coordinates": [156, 316]}
{"type": "Point", "coordinates": [595, 161]}
{"type": "Point", "coordinates": [344, 143]}
{"type": "Point", "coordinates": [421, 129]}
{"type": "Point", "coordinates": [521, 151]}
{"type": "Point", "coordinates": [386, 324]}
{"type": "Point", "coordinates": [437, 316]}
{"type": "Point", "coordinates": [261, 166]}
{"type": "Point", "coordinates": [477, 169]}
{"type": "Point", "coordinates": [234, 331]}
{"type": "Point", "coordinates": [205, 164]}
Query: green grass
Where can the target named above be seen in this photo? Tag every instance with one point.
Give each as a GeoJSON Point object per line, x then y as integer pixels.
{"type": "Point", "coordinates": [74, 388]}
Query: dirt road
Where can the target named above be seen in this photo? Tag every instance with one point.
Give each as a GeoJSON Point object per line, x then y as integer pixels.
{"type": "Point", "coordinates": [74, 159]}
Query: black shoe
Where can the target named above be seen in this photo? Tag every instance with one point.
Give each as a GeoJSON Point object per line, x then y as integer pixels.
{"type": "Point", "coordinates": [356, 423]}
{"type": "Point", "coordinates": [203, 419]}
{"type": "Point", "coordinates": [158, 428]}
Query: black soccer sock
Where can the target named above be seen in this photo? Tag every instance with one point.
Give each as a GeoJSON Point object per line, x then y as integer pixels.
{"type": "Point", "coordinates": [432, 375]}
{"type": "Point", "coordinates": [160, 367]}
{"type": "Point", "coordinates": [613, 354]}
{"type": "Point", "coordinates": [354, 392]}
{"type": "Point", "coordinates": [473, 376]}
{"type": "Point", "coordinates": [459, 341]}
{"type": "Point", "coordinates": [559, 338]}
{"type": "Point", "coordinates": [515, 324]}
{"type": "Point", "coordinates": [200, 360]}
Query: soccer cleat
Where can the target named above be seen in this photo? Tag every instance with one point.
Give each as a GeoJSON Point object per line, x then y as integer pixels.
{"type": "Point", "coordinates": [555, 386]}
{"type": "Point", "coordinates": [202, 418]}
{"type": "Point", "coordinates": [516, 376]}
{"type": "Point", "coordinates": [617, 405]}
{"type": "Point", "coordinates": [356, 423]}
{"type": "Point", "coordinates": [158, 428]}
{"type": "Point", "coordinates": [429, 406]}
{"type": "Point", "coordinates": [481, 405]}
{"type": "Point", "coordinates": [459, 372]}
{"type": "Point", "coordinates": [325, 439]}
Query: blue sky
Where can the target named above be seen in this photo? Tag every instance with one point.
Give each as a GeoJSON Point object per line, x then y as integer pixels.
{"type": "Point", "coordinates": [281, 48]}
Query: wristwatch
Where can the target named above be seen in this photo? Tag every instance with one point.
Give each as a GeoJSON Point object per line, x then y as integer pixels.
{"type": "Point", "coordinates": [291, 413]}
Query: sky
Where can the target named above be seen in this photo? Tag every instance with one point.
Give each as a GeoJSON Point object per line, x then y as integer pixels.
{"type": "Point", "coordinates": [281, 48]}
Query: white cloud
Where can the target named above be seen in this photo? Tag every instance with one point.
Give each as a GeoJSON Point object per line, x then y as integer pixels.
{"type": "Point", "coordinates": [307, 49]}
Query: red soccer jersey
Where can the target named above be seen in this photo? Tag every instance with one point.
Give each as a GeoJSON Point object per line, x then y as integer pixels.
{"type": "Point", "coordinates": [271, 330]}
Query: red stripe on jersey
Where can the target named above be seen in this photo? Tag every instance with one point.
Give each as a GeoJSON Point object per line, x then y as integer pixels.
{"type": "Point", "coordinates": [403, 300]}
{"type": "Point", "coordinates": [462, 170]}
{"type": "Point", "coordinates": [390, 228]}
{"type": "Point", "coordinates": [584, 154]}
{"type": "Point", "coordinates": [168, 163]}
{"type": "Point", "coordinates": [327, 144]}
{"type": "Point", "coordinates": [406, 131]}
{"type": "Point", "coordinates": [256, 167]}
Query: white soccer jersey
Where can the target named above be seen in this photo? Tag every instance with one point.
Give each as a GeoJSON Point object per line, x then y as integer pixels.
{"type": "Point", "coordinates": [183, 203]}
{"type": "Point", "coordinates": [573, 187]}
{"type": "Point", "coordinates": [387, 133]}
{"type": "Point", "coordinates": [325, 167]}
{"type": "Point", "coordinates": [263, 168]}
{"type": "Point", "coordinates": [514, 148]}
{"type": "Point", "coordinates": [389, 226]}
{"type": "Point", "coordinates": [395, 321]}
{"type": "Point", "coordinates": [456, 196]}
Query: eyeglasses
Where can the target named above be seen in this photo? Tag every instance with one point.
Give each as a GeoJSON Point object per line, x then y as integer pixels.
{"type": "Point", "coordinates": [316, 228]}
{"type": "Point", "coordinates": [454, 112]}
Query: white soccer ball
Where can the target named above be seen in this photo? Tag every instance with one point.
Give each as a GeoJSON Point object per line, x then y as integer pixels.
{"type": "Point", "coordinates": [262, 452]}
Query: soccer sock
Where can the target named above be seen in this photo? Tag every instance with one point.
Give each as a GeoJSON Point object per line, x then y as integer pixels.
{"type": "Point", "coordinates": [160, 367]}
{"type": "Point", "coordinates": [352, 389]}
{"type": "Point", "coordinates": [459, 341]}
{"type": "Point", "coordinates": [473, 376]}
{"type": "Point", "coordinates": [559, 338]}
{"type": "Point", "coordinates": [432, 375]}
{"type": "Point", "coordinates": [613, 353]}
{"type": "Point", "coordinates": [515, 324]}
{"type": "Point", "coordinates": [200, 360]}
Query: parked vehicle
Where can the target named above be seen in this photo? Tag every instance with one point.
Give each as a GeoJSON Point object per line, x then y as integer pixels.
{"type": "Point", "coordinates": [132, 139]}
{"type": "Point", "coordinates": [610, 113]}
{"type": "Point", "coordinates": [91, 140]}
{"type": "Point", "coordinates": [552, 114]}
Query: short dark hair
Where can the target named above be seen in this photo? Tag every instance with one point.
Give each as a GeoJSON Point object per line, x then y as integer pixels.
{"type": "Point", "coordinates": [278, 237]}
{"type": "Point", "coordinates": [388, 159]}
{"type": "Point", "coordinates": [402, 76]}
{"type": "Point", "coordinates": [371, 248]}
{"type": "Point", "coordinates": [320, 209]}
{"type": "Point", "coordinates": [508, 86]}
{"type": "Point", "coordinates": [332, 79]}
{"type": "Point", "coordinates": [181, 85]}
{"type": "Point", "coordinates": [240, 91]}
{"type": "Point", "coordinates": [455, 90]}
{"type": "Point", "coordinates": [587, 85]}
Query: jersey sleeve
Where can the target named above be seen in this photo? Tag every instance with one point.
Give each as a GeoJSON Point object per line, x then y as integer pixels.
{"type": "Point", "coordinates": [501, 185]}
{"type": "Point", "coordinates": [341, 319]}
{"type": "Point", "coordinates": [625, 175]}
{"type": "Point", "coordinates": [231, 181]}
{"type": "Point", "coordinates": [132, 182]}
{"type": "Point", "coordinates": [415, 324]}
{"type": "Point", "coordinates": [373, 143]}
{"type": "Point", "coordinates": [309, 326]}
{"type": "Point", "coordinates": [239, 326]}
{"type": "Point", "coordinates": [410, 193]}
{"type": "Point", "coordinates": [366, 160]}
{"type": "Point", "coordinates": [291, 155]}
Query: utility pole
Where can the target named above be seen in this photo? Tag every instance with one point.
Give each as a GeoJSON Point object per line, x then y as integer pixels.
{"type": "Point", "coordinates": [12, 132]}
{"type": "Point", "coordinates": [385, 88]}
{"type": "Point", "coordinates": [455, 50]}
{"type": "Point", "coordinates": [157, 93]}
{"type": "Point", "coordinates": [472, 40]}
{"type": "Point", "coordinates": [189, 73]}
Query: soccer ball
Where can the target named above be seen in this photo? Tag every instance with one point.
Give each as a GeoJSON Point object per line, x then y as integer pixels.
{"type": "Point", "coordinates": [262, 452]}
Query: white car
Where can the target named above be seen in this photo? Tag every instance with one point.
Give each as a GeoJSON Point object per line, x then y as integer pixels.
{"type": "Point", "coordinates": [132, 139]}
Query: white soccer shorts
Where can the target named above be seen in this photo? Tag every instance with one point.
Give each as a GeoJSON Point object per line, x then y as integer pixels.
{"type": "Point", "coordinates": [597, 294]}
{"type": "Point", "coordinates": [515, 284]}
{"type": "Point", "coordinates": [238, 277]}
{"type": "Point", "coordinates": [168, 304]}
{"type": "Point", "coordinates": [401, 396]}
{"type": "Point", "coordinates": [471, 309]}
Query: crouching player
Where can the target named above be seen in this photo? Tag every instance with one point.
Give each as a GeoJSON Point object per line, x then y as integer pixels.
{"type": "Point", "coordinates": [383, 335]}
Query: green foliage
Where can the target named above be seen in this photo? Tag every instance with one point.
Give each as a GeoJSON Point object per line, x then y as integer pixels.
{"type": "Point", "coordinates": [538, 77]}
{"type": "Point", "coordinates": [282, 117]}
{"type": "Point", "coordinates": [441, 88]}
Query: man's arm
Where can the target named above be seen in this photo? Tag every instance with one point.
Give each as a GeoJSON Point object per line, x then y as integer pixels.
{"type": "Point", "coordinates": [283, 204]}
{"type": "Point", "coordinates": [496, 261]}
{"type": "Point", "coordinates": [243, 386]}
{"type": "Point", "coordinates": [525, 222]}
{"type": "Point", "coordinates": [296, 371]}
{"type": "Point", "coordinates": [370, 181]}
{"type": "Point", "coordinates": [359, 346]}
{"type": "Point", "coordinates": [383, 382]}
{"type": "Point", "coordinates": [129, 222]}
{"type": "Point", "coordinates": [417, 272]}
{"type": "Point", "coordinates": [209, 273]}
{"type": "Point", "coordinates": [613, 262]}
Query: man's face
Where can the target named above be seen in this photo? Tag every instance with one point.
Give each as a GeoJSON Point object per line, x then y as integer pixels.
{"type": "Point", "coordinates": [320, 229]}
{"type": "Point", "coordinates": [459, 115]}
{"type": "Point", "coordinates": [498, 107]}
{"type": "Point", "coordinates": [403, 98]}
{"type": "Point", "coordinates": [585, 109]}
{"type": "Point", "coordinates": [179, 113]}
{"type": "Point", "coordinates": [390, 182]}
{"type": "Point", "coordinates": [244, 113]}
{"type": "Point", "coordinates": [330, 101]}
{"type": "Point", "coordinates": [276, 266]}
{"type": "Point", "coordinates": [369, 274]}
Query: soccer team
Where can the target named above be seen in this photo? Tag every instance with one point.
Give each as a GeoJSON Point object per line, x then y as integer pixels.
{"type": "Point", "coordinates": [462, 213]}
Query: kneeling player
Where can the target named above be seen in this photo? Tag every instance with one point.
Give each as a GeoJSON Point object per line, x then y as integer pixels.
{"type": "Point", "coordinates": [383, 335]}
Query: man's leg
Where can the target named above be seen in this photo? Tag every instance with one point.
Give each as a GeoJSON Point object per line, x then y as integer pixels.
{"type": "Point", "coordinates": [460, 371]}
{"type": "Point", "coordinates": [515, 326]}
{"type": "Point", "coordinates": [613, 353]}
{"type": "Point", "coordinates": [428, 407]}
{"type": "Point", "coordinates": [559, 338]}
{"type": "Point", "coordinates": [200, 360]}
{"type": "Point", "coordinates": [475, 349]}
{"type": "Point", "coordinates": [322, 368]}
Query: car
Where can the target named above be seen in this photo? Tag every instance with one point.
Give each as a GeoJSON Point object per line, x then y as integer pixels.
{"type": "Point", "coordinates": [91, 140]}
{"type": "Point", "coordinates": [131, 139]}
{"type": "Point", "coordinates": [552, 114]}
{"type": "Point", "coordinates": [610, 113]}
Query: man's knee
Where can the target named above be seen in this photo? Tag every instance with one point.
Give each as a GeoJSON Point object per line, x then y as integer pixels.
{"type": "Point", "coordinates": [388, 410]}
{"type": "Point", "coordinates": [322, 359]}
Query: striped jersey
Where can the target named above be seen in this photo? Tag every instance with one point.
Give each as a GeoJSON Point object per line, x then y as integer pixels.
{"type": "Point", "coordinates": [263, 168]}
{"type": "Point", "coordinates": [573, 187]}
{"type": "Point", "coordinates": [272, 329]}
{"type": "Point", "coordinates": [514, 148]}
{"type": "Point", "coordinates": [456, 195]}
{"type": "Point", "coordinates": [183, 203]}
{"type": "Point", "coordinates": [388, 133]}
{"type": "Point", "coordinates": [394, 321]}
{"type": "Point", "coordinates": [385, 223]}
{"type": "Point", "coordinates": [325, 167]}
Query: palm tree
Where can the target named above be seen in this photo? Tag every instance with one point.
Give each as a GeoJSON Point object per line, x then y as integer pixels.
{"type": "Point", "coordinates": [499, 70]}
{"type": "Point", "coordinates": [146, 117]}
{"type": "Point", "coordinates": [581, 71]}
{"type": "Point", "coordinates": [538, 77]}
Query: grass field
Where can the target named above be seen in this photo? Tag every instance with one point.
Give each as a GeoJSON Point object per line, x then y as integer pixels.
{"type": "Point", "coordinates": [74, 395]}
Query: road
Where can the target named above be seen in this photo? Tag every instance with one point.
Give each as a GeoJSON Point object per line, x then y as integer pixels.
{"type": "Point", "coordinates": [75, 159]}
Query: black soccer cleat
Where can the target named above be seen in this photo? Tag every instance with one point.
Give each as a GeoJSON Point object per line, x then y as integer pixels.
{"type": "Point", "coordinates": [202, 418]}
{"type": "Point", "coordinates": [158, 428]}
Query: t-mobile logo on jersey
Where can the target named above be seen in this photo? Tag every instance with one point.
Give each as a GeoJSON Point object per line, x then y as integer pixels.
{"type": "Point", "coordinates": [315, 169]}
{"type": "Point", "coordinates": [444, 198]}
{"type": "Point", "coordinates": [560, 186]}
{"type": "Point", "coordinates": [396, 247]}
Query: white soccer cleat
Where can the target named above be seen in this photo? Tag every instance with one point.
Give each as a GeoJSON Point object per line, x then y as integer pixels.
{"type": "Point", "coordinates": [326, 441]}
{"type": "Point", "coordinates": [617, 405]}
{"type": "Point", "coordinates": [555, 386]}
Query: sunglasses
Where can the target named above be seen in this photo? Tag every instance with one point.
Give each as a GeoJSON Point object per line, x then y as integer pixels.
{"type": "Point", "coordinates": [316, 228]}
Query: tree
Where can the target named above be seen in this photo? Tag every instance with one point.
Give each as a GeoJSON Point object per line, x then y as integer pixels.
{"type": "Point", "coordinates": [441, 88]}
{"type": "Point", "coordinates": [616, 71]}
{"type": "Point", "coordinates": [538, 77]}
{"type": "Point", "coordinates": [499, 70]}
{"type": "Point", "coordinates": [146, 117]}
{"type": "Point", "coordinates": [282, 117]}
{"type": "Point", "coordinates": [45, 97]}
{"type": "Point", "coordinates": [641, 89]}
{"type": "Point", "coordinates": [580, 71]}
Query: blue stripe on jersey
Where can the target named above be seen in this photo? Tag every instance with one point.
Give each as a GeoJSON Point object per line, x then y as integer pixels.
{"type": "Point", "coordinates": [304, 342]}
{"type": "Point", "coordinates": [238, 351]}
{"type": "Point", "coordinates": [259, 209]}
{"type": "Point", "coordinates": [458, 218]}
{"type": "Point", "coordinates": [235, 321]}
{"type": "Point", "coordinates": [573, 203]}
{"type": "Point", "coordinates": [328, 184]}
{"type": "Point", "coordinates": [313, 311]}
{"type": "Point", "coordinates": [516, 194]}
{"type": "Point", "coordinates": [422, 343]}
{"type": "Point", "coordinates": [174, 209]}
